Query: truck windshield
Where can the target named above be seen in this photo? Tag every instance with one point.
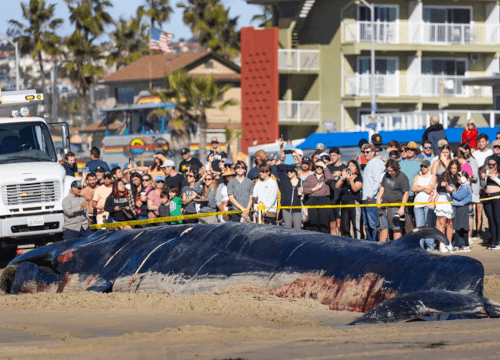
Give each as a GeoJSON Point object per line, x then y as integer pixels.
{"type": "Point", "coordinates": [26, 141]}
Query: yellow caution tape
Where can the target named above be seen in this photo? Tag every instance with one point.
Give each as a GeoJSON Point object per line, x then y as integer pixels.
{"type": "Point", "coordinates": [163, 219]}
{"type": "Point", "coordinates": [263, 209]}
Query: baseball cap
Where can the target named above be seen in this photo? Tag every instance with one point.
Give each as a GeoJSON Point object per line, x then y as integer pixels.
{"type": "Point", "coordinates": [324, 156]}
{"type": "Point", "coordinates": [335, 150]}
{"type": "Point", "coordinates": [159, 178]}
{"type": "Point", "coordinates": [271, 156]}
{"type": "Point", "coordinates": [305, 159]}
{"type": "Point", "coordinates": [215, 139]}
{"type": "Point", "coordinates": [425, 163]}
{"type": "Point", "coordinates": [77, 184]}
{"type": "Point", "coordinates": [185, 151]}
{"type": "Point", "coordinates": [99, 168]}
{"type": "Point", "coordinates": [376, 139]}
{"type": "Point", "coordinates": [320, 146]}
{"type": "Point", "coordinates": [168, 163]}
{"type": "Point", "coordinates": [108, 175]}
{"type": "Point", "coordinates": [300, 152]}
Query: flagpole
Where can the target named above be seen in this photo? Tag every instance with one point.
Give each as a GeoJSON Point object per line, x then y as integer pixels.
{"type": "Point", "coordinates": [150, 66]}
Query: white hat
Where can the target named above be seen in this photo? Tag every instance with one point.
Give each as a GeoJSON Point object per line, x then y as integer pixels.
{"type": "Point", "coordinates": [168, 163]}
{"type": "Point", "coordinates": [300, 152]}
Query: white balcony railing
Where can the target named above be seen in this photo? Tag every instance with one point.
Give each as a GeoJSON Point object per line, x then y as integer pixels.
{"type": "Point", "coordinates": [444, 85]}
{"type": "Point", "coordinates": [421, 119]}
{"type": "Point", "coordinates": [298, 111]}
{"type": "Point", "coordinates": [393, 85]}
{"type": "Point", "coordinates": [398, 32]}
{"type": "Point", "coordinates": [360, 85]}
{"type": "Point", "coordinates": [298, 60]}
{"type": "Point", "coordinates": [361, 31]}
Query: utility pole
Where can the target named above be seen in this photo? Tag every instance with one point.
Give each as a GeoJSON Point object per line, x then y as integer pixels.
{"type": "Point", "coordinates": [55, 91]}
{"type": "Point", "coordinates": [16, 47]}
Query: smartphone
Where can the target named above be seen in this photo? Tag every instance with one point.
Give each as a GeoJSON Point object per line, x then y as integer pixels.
{"type": "Point", "coordinates": [348, 172]}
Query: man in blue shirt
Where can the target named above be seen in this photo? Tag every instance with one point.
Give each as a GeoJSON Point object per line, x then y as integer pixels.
{"type": "Point", "coordinates": [411, 167]}
{"type": "Point", "coordinates": [94, 162]}
{"type": "Point", "coordinates": [371, 184]}
{"type": "Point", "coordinates": [427, 153]}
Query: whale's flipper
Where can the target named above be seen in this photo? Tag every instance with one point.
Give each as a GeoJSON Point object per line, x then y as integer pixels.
{"type": "Point", "coordinates": [429, 305]}
{"type": "Point", "coordinates": [414, 236]}
{"type": "Point", "coordinates": [492, 308]}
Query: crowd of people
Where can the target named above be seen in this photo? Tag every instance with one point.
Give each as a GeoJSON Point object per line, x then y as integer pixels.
{"type": "Point", "coordinates": [282, 187]}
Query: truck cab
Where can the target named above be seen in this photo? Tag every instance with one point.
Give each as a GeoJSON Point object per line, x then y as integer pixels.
{"type": "Point", "coordinates": [32, 182]}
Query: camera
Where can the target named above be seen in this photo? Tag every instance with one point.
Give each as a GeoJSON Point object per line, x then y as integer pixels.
{"type": "Point", "coordinates": [288, 152]}
{"type": "Point", "coordinates": [348, 172]}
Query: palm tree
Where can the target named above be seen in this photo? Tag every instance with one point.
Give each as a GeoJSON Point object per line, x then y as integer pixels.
{"type": "Point", "coordinates": [38, 36]}
{"type": "Point", "coordinates": [230, 133]}
{"type": "Point", "coordinates": [266, 17]}
{"type": "Point", "coordinates": [210, 23]}
{"type": "Point", "coordinates": [159, 11]}
{"type": "Point", "coordinates": [70, 107]}
{"type": "Point", "coordinates": [83, 56]}
{"type": "Point", "coordinates": [206, 93]}
{"type": "Point", "coordinates": [178, 89]}
{"type": "Point", "coordinates": [130, 39]}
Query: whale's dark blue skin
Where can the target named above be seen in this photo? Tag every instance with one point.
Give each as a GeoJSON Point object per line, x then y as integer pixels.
{"type": "Point", "coordinates": [392, 281]}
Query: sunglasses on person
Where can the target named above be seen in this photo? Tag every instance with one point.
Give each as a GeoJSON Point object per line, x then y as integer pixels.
{"type": "Point", "coordinates": [367, 152]}
{"type": "Point", "coordinates": [319, 167]}
{"type": "Point", "coordinates": [492, 164]}
{"type": "Point", "coordinates": [239, 167]}
{"type": "Point", "coordinates": [427, 147]}
{"type": "Point", "coordinates": [496, 147]}
{"type": "Point", "coordinates": [189, 175]}
{"type": "Point", "coordinates": [291, 170]}
{"type": "Point", "coordinates": [423, 166]}
{"type": "Point", "coordinates": [208, 179]}
{"type": "Point", "coordinates": [146, 180]}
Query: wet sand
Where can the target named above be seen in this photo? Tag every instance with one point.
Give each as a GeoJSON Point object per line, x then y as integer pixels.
{"type": "Point", "coordinates": [230, 325]}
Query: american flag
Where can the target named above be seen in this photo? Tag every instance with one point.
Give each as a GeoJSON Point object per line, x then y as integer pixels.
{"type": "Point", "coordinates": [159, 40]}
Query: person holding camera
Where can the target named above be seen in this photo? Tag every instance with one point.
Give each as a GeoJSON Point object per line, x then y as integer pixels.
{"type": "Point", "coordinates": [350, 184]}
{"type": "Point", "coordinates": [462, 197]}
{"type": "Point", "coordinates": [118, 206]}
{"type": "Point", "coordinates": [491, 180]}
{"type": "Point", "coordinates": [394, 188]}
{"type": "Point", "coordinates": [318, 189]}
{"type": "Point", "coordinates": [75, 211]}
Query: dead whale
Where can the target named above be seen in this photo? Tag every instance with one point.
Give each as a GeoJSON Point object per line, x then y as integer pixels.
{"type": "Point", "coordinates": [394, 281]}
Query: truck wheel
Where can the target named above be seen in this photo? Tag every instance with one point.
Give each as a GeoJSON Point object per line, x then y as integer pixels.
{"type": "Point", "coordinates": [8, 253]}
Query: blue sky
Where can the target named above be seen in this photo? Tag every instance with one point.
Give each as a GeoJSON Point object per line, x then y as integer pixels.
{"type": "Point", "coordinates": [11, 9]}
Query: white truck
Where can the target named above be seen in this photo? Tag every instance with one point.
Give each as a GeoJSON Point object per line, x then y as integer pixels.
{"type": "Point", "coordinates": [32, 182]}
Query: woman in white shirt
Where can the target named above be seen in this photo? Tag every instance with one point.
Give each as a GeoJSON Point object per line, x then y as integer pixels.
{"type": "Point", "coordinates": [423, 184]}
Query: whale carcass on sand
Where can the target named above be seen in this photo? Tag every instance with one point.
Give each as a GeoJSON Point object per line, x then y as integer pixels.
{"type": "Point", "coordinates": [393, 281]}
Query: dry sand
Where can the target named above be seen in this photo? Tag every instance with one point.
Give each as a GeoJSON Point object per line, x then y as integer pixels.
{"type": "Point", "coordinates": [229, 325]}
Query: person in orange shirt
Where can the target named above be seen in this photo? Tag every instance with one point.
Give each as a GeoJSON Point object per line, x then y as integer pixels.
{"type": "Point", "coordinates": [99, 199]}
{"type": "Point", "coordinates": [469, 135]}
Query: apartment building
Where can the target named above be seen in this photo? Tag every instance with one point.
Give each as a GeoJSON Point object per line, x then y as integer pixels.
{"type": "Point", "coordinates": [423, 52]}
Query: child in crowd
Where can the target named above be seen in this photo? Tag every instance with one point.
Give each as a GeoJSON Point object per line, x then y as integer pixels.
{"type": "Point", "coordinates": [175, 203]}
{"type": "Point", "coordinates": [164, 208]}
{"type": "Point", "coordinates": [462, 198]}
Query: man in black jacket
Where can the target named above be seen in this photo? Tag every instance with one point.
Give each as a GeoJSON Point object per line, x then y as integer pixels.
{"type": "Point", "coordinates": [434, 133]}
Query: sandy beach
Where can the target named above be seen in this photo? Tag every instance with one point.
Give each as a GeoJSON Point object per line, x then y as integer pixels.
{"type": "Point", "coordinates": [230, 325]}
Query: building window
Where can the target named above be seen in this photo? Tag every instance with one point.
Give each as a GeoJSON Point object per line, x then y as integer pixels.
{"type": "Point", "coordinates": [385, 13]}
{"type": "Point", "coordinates": [383, 66]}
{"type": "Point", "coordinates": [455, 67]}
{"type": "Point", "coordinates": [442, 15]}
{"type": "Point", "coordinates": [209, 64]}
{"type": "Point", "coordinates": [125, 95]}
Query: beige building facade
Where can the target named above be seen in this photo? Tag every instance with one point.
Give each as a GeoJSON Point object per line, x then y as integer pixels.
{"type": "Point", "coordinates": [423, 52]}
